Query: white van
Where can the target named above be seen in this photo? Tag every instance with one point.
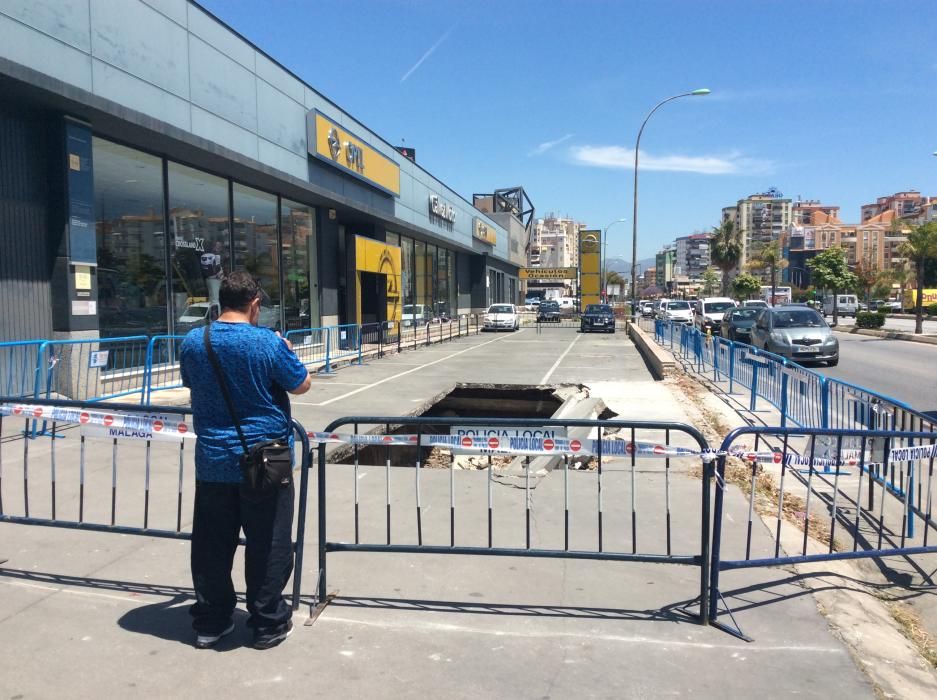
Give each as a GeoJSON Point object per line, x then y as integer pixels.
{"type": "Point", "coordinates": [846, 305]}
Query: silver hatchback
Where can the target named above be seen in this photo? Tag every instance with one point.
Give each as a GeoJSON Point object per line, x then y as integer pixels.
{"type": "Point", "coordinates": [796, 332]}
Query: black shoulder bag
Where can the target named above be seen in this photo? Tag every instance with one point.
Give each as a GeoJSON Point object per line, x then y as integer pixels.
{"type": "Point", "coordinates": [268, 464]}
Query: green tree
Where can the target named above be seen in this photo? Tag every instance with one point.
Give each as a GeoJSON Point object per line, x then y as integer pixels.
{"type": "Point", "coordinates": [746, 286]}
{"type": "Point", "coordinates": [770, 257]}
{"type": "Point", "coordinates": [921, 250]}
{"type": "Point", "coordinates": [869, 276]}
{"type": "Point", "coordinates": [726, 250]}
{"type": "Point", "coordinates": [900, 275]}
{"type": "Point", "coordinates": [710, 279]}
{"type": "Point", "coordinates": [832, 273]}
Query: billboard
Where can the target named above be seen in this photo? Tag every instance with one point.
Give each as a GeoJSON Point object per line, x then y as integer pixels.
{"type": "Point", "coordinates": [548, 273]}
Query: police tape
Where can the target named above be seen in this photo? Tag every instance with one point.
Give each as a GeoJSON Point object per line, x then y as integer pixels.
{"type": "Point", "coordinates": [846, 459]}
{"type": "Point", "coordinates": [912, 454]}
{"type": "Point", "coordinates": [140, 426]}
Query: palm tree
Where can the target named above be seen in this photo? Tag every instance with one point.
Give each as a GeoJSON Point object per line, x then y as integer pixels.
{"type": "Point", "coordinates": [900, 275]}
{"type": "Point", "coordinates": [726, 250]}
{"type": "Point", "coordinates": [920, 249]}
{"type": "Point", "coordinates": [769, 256]}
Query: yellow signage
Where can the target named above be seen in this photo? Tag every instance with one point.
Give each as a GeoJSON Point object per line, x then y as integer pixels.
{"type": "Point", "coordinates": [383, 259]}
{"type": "Point", "coordinates": [548, 273]}
{"type": "Point", "coordinates": [484, 231]}
{"type": "Point", "coordinates": [330, 142]}
{"type": "Point", "coordinates": [590, 258]}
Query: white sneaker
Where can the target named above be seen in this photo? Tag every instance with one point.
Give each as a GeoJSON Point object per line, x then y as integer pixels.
{"type": "Point", "coordinates": [207, 641]}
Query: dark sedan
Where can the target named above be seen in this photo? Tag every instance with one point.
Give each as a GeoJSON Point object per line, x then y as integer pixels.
{"type": "Point", "coordinates": [548, 312]}
{"type": "Point", "coordinates": [597, 317]}
{"type": "Point", "coordinates": [737, 324]}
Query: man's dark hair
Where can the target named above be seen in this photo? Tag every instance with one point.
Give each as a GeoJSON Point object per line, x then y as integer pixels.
{"type": "Point", "coordinates": [238, 290]}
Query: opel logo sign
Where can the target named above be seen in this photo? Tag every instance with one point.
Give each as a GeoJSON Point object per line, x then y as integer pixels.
{"type": "Point", "coordinates": [335, 145]}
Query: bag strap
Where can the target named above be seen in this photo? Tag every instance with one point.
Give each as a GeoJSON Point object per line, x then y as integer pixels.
{"type": "Point", "coordinates": [223, 384]}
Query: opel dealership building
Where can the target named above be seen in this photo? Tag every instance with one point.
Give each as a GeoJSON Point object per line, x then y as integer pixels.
{"type": "Point", "coordinates": [146, 148]}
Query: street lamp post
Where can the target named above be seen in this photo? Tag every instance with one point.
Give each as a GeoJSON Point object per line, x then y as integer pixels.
{"type": "Point", "coordinates": [605, 257]}
{"type": "Point", "coordinates": [634, 220]}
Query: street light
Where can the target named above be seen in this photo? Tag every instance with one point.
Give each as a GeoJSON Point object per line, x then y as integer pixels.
{"type": "Point", "coordinates": [634, 221]}
{"type": "Point", "coordinates": [605, 257]}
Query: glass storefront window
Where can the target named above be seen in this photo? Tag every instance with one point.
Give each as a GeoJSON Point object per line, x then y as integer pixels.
{"type": "Point", "coordinates": [441, 305]}
{"type": "Point", "coordinates": [131, 240]}
{"type": "Point", "coordinates": [408, 268]}
{"type": "Point", "coordinates": [453, 284]}
{"type": "Point", "coordinates": [199, 244]}
{"type": "Point", "coordinates": [255, 247]}
{"type": "Point", "coordinates": [300, 289]}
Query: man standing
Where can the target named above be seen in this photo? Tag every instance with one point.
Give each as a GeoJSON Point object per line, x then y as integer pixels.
{"type": "Point", "coordinates": [260, 368]}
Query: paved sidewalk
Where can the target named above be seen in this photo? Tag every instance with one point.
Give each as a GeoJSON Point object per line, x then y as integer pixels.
{"type": "Point", "coordinates": [94, 614]}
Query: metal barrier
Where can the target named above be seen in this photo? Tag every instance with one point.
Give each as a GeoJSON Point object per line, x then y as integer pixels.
{"type": "Point", "coordinates": [120, 468]}
{"type": "Point", "coordinates": [838, 470]}
{"type": "Point", "coordinates": [401, 523]}
{"type": "Point", "coordinates": [311, 346]}
{"type": "Point", "coordinates": [162, 365]}
{"type": "Point", "coordinates": [344, 342]}
{"type": "Point", "coordinates": [91, 369]}
{"type": "Point", "coordinates": [18, 362]}
{"type": "Point", "coordinates": [803, 397]}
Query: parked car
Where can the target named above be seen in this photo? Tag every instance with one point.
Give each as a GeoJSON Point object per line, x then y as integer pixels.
{"type": "Point", "coordinates": [796, 332]}
{"type": "Point", "coordinates": [708, 313]}
{"type": "Point", "coordinates": [660, 308]}
{"type": "Point", "coordinates": [548, 312]}
{"type": "Point", "coordinates": [846, 305]}
{"type": "Point", "coordinates": [876, 304]}
{"type": "Point", "coordinates": [502, 317]}
{"type": "Point", "coordinates": [679, 312]}
{"type": "Point", "coordinates": [755, 304]}
{"type": "Point", "coordinates": [597, 317]}
{"type": "Point", "coordinates": [891, 306]}
{"type": "Point", "coordinates": [737, 324]}
{"type": "Point", "coordinates": [647, 308]}
{"type": "Point", "coordinates": [531, 303]}
{"type": "Point", "coordinates": [415, 315]}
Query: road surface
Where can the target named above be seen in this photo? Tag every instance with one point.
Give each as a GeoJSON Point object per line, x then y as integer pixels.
{"type": "Point", "coordinates": [897, 368]}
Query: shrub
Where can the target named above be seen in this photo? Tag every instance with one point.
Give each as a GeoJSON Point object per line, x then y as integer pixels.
{"type": "Point", "coordinates": [931, 310]}
{"type": "Point", "coordinates": [870, 319]}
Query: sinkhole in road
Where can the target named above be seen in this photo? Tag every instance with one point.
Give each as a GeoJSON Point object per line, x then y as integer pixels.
{"type": "Point", "coordinates": [476, 401]}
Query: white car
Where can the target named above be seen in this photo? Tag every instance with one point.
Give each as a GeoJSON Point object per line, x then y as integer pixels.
{"type": "Point", "coordinates": [708, 313]}
{"type": "Point", "coordinates": [660, 308]}
{"type": "Point", "coordinates": [678, 312]}
{"type": "Point", "coordinates": [501, 317]}
{"type": "Point", "coordinates": [415, 315]}
{"type": "Point", "coordinates": [754, 304]}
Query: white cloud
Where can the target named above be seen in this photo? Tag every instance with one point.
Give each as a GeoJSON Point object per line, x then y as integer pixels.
{"type": "Point", "coordinates": [429, 52]}
{"type": "Point", "coordinates": [547, 145]}
{"type": "Point", "coordinates": [623, 158]}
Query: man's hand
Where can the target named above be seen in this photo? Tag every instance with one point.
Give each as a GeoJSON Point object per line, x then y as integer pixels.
{"type": "Point", "coordinates": [288, 343]}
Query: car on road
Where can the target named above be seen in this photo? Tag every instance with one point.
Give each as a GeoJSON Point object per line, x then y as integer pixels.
{"type": "Point", "coordinates": [737, 324]}
{"type": "Point", "coordinates": [891, 306]}
{"type": "Point", "coordinates": [846, 305]}
{"type": "Point", "coordinates": [678, 311]}
{"type": "Point", "coordinates": [647, 309]}
{"type": "Point", "coordinates": [597, 317]}
{"type": "Point", "coordinates": [708, 313]}
{"type": "Point", "coordinates": [531, 303]}
{"type": "Point", "coordinates": [548, 312]}
{"type": "Point", "coordinates": [796, 332]}
{"type": "Point", "coordinates": [660, 308]}
{"type": "Point", "coordinates": [755, 304]}
{"type": "Point", "coordinates": [502, 317]}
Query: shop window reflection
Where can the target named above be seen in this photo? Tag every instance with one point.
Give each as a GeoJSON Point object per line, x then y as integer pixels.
{"type": "Point", "coordinates": [255, 247]}
{"type": "Point", "coordinates": [199, 249]}
{"type": "Point", "coordinates": [131, 273]}
{"type": "Point", "coordinates": [300, 291]}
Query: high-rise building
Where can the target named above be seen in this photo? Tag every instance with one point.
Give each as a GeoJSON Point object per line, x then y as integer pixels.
{"type": "Point", "coordinates": [807, 212]}
{"type": "Point", "coordinates": [665, 264]}
{"type": "Point", "coordinates": [903, 205]}
{"type": "Point", "coordinates": [692, 255]}
{"type": "Point", "coordinates": [555, 242]}
{"type": "Point", "coordinates": [762, 219]}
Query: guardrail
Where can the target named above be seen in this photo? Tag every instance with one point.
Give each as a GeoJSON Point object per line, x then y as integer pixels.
{"type": "Point", "coordinates": [129, 473]}
{"type": "Point", "coordinates": [838, 471]}
{"type": "Point", "coordinates": [587, 511]}
{"type": "Point", "coordinates": [18, 363]}
{"type": "Point", "coordinates": [91, 369]}
{"type": "Point", "coordinates": [803, 397]}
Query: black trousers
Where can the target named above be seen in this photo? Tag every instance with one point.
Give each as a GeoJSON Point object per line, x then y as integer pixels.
{"type": "Point", "coordinates": [220, 513]}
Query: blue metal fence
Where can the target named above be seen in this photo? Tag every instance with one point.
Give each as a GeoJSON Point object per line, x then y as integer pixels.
{"type": "Point", "coordinates": [91, 369]}
{"type": "Point", "coordinates": [162, 365]}
{"type": "Point", "coordinates": [18, 362]}
{"type": "Point", "coordinates": [803, 397]}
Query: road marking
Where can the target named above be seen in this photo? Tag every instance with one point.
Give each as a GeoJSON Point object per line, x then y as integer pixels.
{"type": "Point", "coordinates": [409, 371]}
{"type": "Point", "coordinates": [590, 636]}
{"type": "Point", "coordinates": [556, 364]}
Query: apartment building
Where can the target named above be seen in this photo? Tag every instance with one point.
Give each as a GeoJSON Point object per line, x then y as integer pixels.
{"type": "Point", "coordinates": [762, 218]}
{"type": "Point", "coordinates": [807, 212]}
{"type": "Point", "coordinates": [910, 205]}
{"type": "Point", "coordinates": [693, 255]}
{"type": "Point", "coordinates": [555, 242]}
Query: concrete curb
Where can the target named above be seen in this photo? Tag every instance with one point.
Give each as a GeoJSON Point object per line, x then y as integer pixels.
{"type": "Point", "coordinates": [895, 335]}
{"type": "Point", "coordinates": [662, 363]}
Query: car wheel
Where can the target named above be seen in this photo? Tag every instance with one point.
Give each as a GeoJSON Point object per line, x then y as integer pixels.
{"type": "Point", "coordinates": [582, 329]}
{"type": "Point", "coordinates": [833, 362]}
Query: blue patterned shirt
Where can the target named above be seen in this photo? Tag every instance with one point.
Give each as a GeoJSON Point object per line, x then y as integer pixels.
{"type": "Point", "coordinates": [259, 370]}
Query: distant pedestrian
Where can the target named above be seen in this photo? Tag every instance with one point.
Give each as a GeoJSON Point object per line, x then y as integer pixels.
{"type": "Point", "coordinates": [259, 368]}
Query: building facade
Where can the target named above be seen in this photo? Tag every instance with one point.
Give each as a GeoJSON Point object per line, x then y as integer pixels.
{"type": "Point", "coordinates": [805, 212]}
{"type": "Point", "coordinates": [148, 149]}
{"type": "Point", "coordinates": [762, 219]}
{"type": "Point", "coordinates": [693, 255]}
{"type": "Point", "coordinates": [905, 205]}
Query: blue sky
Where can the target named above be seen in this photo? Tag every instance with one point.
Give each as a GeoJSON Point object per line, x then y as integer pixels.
{"type": "Point", "coordinates": [828, 100]}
